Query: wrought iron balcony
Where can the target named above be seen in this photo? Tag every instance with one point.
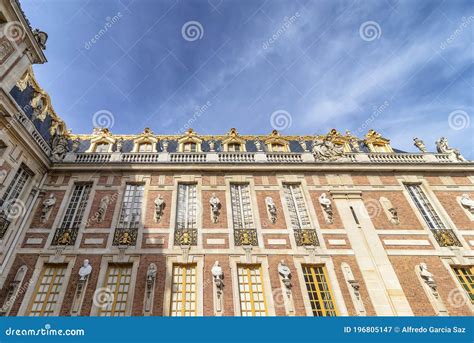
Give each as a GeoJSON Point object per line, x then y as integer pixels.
{"type": "Point", "coordinates": [446, 238]}
{"type": "Point", "coordinates": [306, 237]}
{"type": "Point", "coordinates": [65, 236]}
{"type": "Point", "coordinates": [185, 237]}
{"type": "Point", "coordinates": [245, 237]}
{"type": "Point", "coordinates": [125, 237]}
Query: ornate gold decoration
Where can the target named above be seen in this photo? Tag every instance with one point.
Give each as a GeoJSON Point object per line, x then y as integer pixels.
{"type": "Point", "coordinates": [306, 237]}
{"type": "Point", "coordinates": [146, 137]}
{"type": "Point", "coordinates": [446, 238]}
{"type": "Point", "coordinates": [245, 237]}
{"type": "Point", "coordinates": [376, 143]}
{"type": "Point", "coordinates": [127, 236]}
{"type": "Point", "coordinates": [233, 137]}
{"type": "Point", "coordinates": [65, 236]}
{"type": "Point", "coordinates": [41, 103]}
{"type": "Point", "coordinates": [102, 136]}
{"type": "Point", "coordinates": [185, 237]}
{"type": "Point", "coordinates": [190, 137]}
{"type": "Point", "coordinates": [276, 139]}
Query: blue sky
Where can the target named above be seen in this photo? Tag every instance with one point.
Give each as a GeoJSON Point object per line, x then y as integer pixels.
{"type": "Point", "coordinates": [404, 68]}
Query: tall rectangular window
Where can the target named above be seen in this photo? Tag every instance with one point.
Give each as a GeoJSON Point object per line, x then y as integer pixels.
{"type": "Point", "coordinates": [241, 206]}
{"type": "Point", "coordinates": [117, 284]}
{"type": "Point", "coordinates": [296, 206]}
{"type": "Point", "coordinates": [76, 207]}
{"type": "Point", "coordinates": [15, 187]}
{"type": "Point", "coordinates": [47, 290]}
{"type": "Point", "coordinates": [130, 215]}
{"type": "Point", "coordinates": [252, 295]}
{"type": "Point", "coordinates": [183, 291]}
{"type": "Point", "coordinates": [465, 276]}
{"type": "Point", "coordinates": [187, 207]}
{"type": "Point", "coordinates": [319, 291]}
{"type": "Point", "coordinates": [424, 206]}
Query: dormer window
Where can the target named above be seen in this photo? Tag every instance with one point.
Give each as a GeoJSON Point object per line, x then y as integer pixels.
{"type": "Point", "coordinates": [102, 147]}
{"type": "Point", "coordinates": [145, 147]}
{"type": "Point", "coordinates": [380, 148]}
{"type": "Point", "coordinates": [278, 147]}
{"type": "Point", "coordinates": [234, 147]}
{"type": "Point", "coordinates": [190, 147]}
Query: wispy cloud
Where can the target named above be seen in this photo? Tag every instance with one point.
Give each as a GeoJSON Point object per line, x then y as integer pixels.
{"type": "Point", "coordinates": [305, 57]}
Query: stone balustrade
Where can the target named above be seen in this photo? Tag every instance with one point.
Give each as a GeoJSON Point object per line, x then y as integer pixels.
{"type": "Point", "coordinates": [255, 157]}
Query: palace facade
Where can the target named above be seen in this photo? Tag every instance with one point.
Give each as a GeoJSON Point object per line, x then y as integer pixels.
{"type": "Point", "coordinates": [226, 225]}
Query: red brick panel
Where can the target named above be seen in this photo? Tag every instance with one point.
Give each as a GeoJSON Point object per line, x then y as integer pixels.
{"type": "Point", "coordinates": [92, 285]}
{"type": "Point", "coordinates": [207, 222]}
{"type": "Point", "coordinates": [453, 208]}
{"type": "Point", "coordinates": [208, 298]}
{"type": "Point", "coordinates": [268, 245]}
{"type": "Point", "coordinates": [408, 219]}
{"type": "Point", "coordinates": [328, 237]}
{"type": "Point", "coordinates": [223, 236]}
{"type": "Point", "coordinates": [406, 237]}
{"type": "Point", "coordinates": [92, 221]}
{"type": "Point", "coordinates": [158, 238]}
{"type": "Point", "coordinates": [43, 236]}
{"type": "Point", "coordinates": [36, 223]}
{"type": "Point", "coordinates": [337, 222]}
{"type": "Point", "coordinates": [364, 292]}
{"type": "Point", "coordinates": [263, 213]}
{"type": "Point", "coordinates": [86, 235]}
{"type": "Point", "coordinates": [30, 261]}
{"type": "Point", "coordinates": [150, 209]}
{"type": "Point", "coordinates": [155, 178]}
{"type": "Point", "coordinates": [405, 268]}
{"type": "Point", "coordinates": [140, 285]}
{"type": "Point", "coordinates": [278, 292]}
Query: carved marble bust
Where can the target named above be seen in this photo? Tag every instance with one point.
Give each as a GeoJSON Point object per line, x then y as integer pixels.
{"type": "Point", "coordinates": [85, 270]}
{"type": "Point", "coordinates": [159, 207]}
{"type": "Point", "coordinates": [215, 207]}
{"type": "Point", "coordinates": [285, 273]}
{"type": "Point", "coordinates": [324, 200]}
{"type": "Point", "coordinates": [467, 202]}
{"type": "Point", "coordinates": [218, 275]}
{"type": "Point", "coordinates": [48, 204]}
{"type": "Point", "coordinates": [271, 207]}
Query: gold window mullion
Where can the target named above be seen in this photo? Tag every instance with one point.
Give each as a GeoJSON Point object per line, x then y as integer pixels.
{"type": "Point", "coordinates": [117, 285]}
{"type": "Point", "coordinates": [465, 276]}
{"type": "Point", "coordinates": [319, 292]}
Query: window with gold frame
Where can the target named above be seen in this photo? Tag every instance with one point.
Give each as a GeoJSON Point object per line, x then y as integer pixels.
{"type": "Point", "coordinates": [45, 297]}
{"type": "Point", "coordinates": [319, 291]}
{"type": "Point", "coordinates": [465, 276]}
{"type": "Point", "coordinates": [117, 285]}
{"type": "Point", "coordinates": [251, 291]}
{"type": "Point", "coordinates": [183, 291]}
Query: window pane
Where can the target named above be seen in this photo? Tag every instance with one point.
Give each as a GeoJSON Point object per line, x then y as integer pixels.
{"type": "Point", "coordinates": [117, 284]}
{"type": "Point", "coordinates": [183, 296]}
{"type": "Point", "coordinates": [47, 290]}
{"type": "Point", "coordinates": [241, 206]}
{"type": "Point", "coordinates": [252, 297]}
{"type": "Point", "coordinates": [319, 292]}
